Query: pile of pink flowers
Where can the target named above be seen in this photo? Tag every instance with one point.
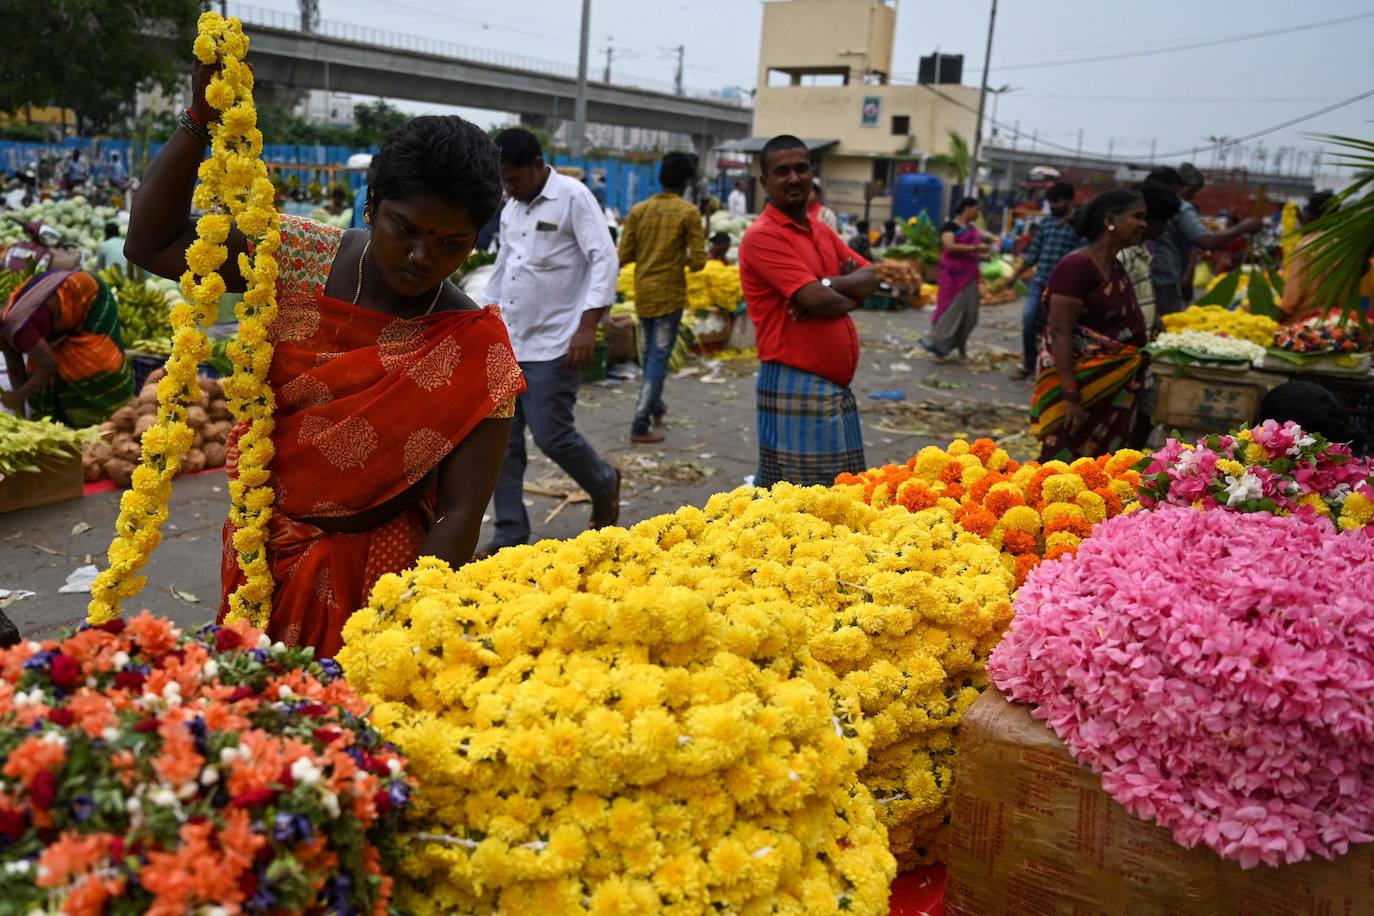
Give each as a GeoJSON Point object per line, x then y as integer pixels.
{"type": "Point", "coordinates": [1272, 468]}
{"type": "Point", "coordinates": [1218, 669]}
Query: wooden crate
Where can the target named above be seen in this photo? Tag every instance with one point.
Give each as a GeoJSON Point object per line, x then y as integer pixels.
{"type": "Point", "coordinates": [1215, 401]}
{"type": "Point", "coordinates": [59, 481]}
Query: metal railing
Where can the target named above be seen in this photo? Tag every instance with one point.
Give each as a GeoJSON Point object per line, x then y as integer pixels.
{"type": "Point", "coordinates": [383, 38]}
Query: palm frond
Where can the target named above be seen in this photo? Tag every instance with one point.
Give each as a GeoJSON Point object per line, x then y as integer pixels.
{"type": "Point", "coordinates": [1344, 236]}
{"type": "Point", "coordinates": [958, 160]}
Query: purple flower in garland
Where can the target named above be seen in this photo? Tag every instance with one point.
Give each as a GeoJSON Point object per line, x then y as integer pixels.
{"type": "Point", "coordinates": [39, 661]}
{"type": "Point", "coordinates": [292, 828]}
{"type": "Point", "coordinates": [336, 892]}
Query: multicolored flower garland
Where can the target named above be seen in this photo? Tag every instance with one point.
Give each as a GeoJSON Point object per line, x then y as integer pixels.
{"type": "Point", "coordinates": [1275, 468]}
{"type": "Point", "coordinates": [145, 770]}
{"type": "Point", "coordinates": [234, 188]}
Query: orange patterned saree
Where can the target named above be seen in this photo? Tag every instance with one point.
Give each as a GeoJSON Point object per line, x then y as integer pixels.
{"type": "Point", "coordinates": [367, 406]}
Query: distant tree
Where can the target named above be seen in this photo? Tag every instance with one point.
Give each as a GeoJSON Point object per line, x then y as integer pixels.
{"type": "Point", "coordinates": [373, 122]}
{"type": "Point", "coordinates": [94, 56]}
{"type": "Point", "coordinates": [282, 125]}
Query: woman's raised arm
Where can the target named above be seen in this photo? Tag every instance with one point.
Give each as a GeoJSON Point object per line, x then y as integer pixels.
{"type": "Point", "coordinates": [160, 223]}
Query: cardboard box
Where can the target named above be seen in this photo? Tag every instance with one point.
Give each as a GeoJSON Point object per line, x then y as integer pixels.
{"type": "Point", "coordinates": [59, 481]}
{"type": "Point", "coordinates": [1211, 400]}
{"type": "Point", "coordinates": [1033, 833]}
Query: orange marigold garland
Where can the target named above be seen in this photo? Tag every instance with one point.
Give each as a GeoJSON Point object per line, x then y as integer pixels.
{"type": "Point", "coordinates": [1031, 512]}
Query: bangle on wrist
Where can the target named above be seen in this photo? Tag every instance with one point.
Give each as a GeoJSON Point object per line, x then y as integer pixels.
{"type": "Point", "coordinates": [193, 127]}
{"type": "Point", "coordinates": [197, 118]}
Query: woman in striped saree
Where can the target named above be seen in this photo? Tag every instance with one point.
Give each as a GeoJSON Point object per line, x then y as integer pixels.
{"type": "Point", "coordinates": [1092, 359]}
{"type": "Point", "coordinates": [61, 339]}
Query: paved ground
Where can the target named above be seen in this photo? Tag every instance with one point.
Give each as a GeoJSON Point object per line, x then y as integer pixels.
{"type": "Point", "coordinates": [710, 448]}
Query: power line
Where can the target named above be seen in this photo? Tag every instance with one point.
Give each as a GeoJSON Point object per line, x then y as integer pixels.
{"type": "Point", "coordinates": [1139, 99]}
{"type": "Point", "coordinates": [1190, 151]}
{"type": "Point", "coordinates": [1190, 46]}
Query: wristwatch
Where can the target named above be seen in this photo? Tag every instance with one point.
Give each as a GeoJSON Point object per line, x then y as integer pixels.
{"type": "Point", "coordinates": [825, 281]}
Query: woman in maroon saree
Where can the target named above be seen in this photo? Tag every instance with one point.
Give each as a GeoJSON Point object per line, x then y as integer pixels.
{"type": "Point", "coordinates": [393, 389]}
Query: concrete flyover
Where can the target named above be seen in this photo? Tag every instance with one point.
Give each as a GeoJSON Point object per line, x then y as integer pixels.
{"type": "Point", "coordinates": [290, 59]}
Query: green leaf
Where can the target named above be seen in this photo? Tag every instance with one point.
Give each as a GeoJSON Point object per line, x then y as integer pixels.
{"type": "Point", "coordinates": [1262, 296]}
{"type": "Point", "coordinates": [1224, 293]}
{"type": "Point", "coordinates": [1343, 238]}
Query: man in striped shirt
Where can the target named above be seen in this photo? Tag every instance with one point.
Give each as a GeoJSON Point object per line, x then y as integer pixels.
{"type": "Point", "coordinates": [1054, 238]}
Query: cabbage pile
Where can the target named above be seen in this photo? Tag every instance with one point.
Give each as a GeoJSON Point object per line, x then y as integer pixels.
{"type": "Point", "coordinates": [80, 223]}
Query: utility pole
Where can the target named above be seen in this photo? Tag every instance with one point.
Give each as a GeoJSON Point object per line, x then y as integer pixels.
{"type": "Point", "coordinates": [1111, 145]}
{"type": "Point", "coordinates": [982, 102]}
{"type": "Point", "coordinates": [1015, 134]}
{"type": "Point", "coordinates": [1080, 143]}
{"type": "Point", "coordinates": [580, 102]}
{"type": "Point", "coordinates": [677, 79]}
{"type": "Point", "coordinates": [310, 16]}
{"type": "Point", "coordinates": [1153, 141]}
{"type": "Point", "coordinates": [606, 76]}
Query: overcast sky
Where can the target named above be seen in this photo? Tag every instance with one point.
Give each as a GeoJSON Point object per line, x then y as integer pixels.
{"type": "Point", "coordinates": [1176, 99]}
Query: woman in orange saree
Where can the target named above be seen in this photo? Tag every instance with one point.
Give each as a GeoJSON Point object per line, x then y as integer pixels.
{"type": "Point", "coordinates": [393, 390]}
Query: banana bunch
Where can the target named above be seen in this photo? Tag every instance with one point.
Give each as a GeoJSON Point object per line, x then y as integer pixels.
{"type": "Point", "coordinates": [145, 311]}
{"type": "Point", "coordinates": [10, 280]}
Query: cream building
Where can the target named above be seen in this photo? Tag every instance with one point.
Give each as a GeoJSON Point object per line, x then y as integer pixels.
{"type": "Point", "coordinates": [825, 69]}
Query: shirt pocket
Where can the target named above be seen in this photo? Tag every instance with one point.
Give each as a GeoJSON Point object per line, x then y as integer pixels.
{"type": "Point", "coordinates": [549, 248]}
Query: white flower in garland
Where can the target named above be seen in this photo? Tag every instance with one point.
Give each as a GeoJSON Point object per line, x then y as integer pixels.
{"type": "Point", "coordinates": [1207, 344]}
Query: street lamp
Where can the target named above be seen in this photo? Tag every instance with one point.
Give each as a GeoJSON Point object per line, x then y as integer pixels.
{"type": "Point", "coordinates": [997, 97]}
{"type": "Point", "coordinates": [982, 100]}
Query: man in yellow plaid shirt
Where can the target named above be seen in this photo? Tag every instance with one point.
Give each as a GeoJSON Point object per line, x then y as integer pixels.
{"type": "Point", "coordinates": [662, 237]}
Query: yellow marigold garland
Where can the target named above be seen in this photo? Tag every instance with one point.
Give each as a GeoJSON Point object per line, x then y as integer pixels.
{"type": "Point", "coordinates": [234, 179]}
{"type": "Point", "coordinates": [1288, 236]}
{"type": "Point", "coordinates": [234, 187]}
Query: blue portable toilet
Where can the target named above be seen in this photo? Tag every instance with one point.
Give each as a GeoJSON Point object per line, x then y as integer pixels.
{"type": "Point", "coordinates": [915, 192]}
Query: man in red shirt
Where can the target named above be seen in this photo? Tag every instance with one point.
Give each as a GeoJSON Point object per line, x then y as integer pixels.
{"type": "Point", "coordinates": [800, 283]}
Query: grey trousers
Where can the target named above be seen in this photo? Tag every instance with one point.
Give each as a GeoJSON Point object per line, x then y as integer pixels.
{"type": "Point", "coordinates": [546, 408]}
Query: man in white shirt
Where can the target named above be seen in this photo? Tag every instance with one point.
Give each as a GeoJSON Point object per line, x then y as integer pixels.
{"type": "Point", "coordinates": [554, 280]}
{"type": "Point", "coordinates": [737, 203]}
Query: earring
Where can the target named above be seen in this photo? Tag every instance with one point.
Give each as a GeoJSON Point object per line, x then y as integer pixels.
{"type": "Point", "coordinates": [1111, 227]}
{"type": "Point", "coordinates": [367, 217]}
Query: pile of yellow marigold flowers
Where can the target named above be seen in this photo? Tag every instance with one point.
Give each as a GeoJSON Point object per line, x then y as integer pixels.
{"type": "Point", "coordinates": [718, 709]}
{"type": "Point", "coordinates": [1214, 319]}
{"type": "Point", "coordinates": [715, 286]}
{"type": "Point", "coordinates": [1030, 512]}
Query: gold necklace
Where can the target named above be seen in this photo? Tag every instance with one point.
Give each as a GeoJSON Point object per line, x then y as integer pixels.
{"type": "Point", "coordinates": [359, 290]}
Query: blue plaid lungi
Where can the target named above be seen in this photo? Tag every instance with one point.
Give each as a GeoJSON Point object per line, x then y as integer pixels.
{"type": "Point", "coordinates": [809, 430]}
